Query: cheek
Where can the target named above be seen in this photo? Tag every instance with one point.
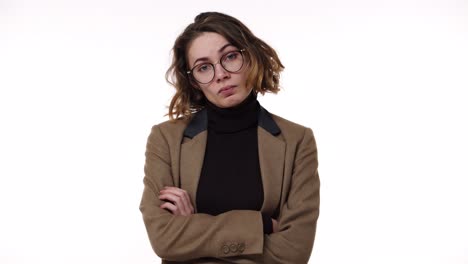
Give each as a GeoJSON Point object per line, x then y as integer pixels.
{"type": "Point", "coordinates": [207, 90]}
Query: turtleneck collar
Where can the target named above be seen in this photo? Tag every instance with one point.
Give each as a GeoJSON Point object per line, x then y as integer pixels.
{"type": "Point", "coordinates": [233, 119]}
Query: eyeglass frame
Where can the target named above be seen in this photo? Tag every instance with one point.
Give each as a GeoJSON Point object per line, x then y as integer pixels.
{"type": "Point", "coordinates": [241, 51]}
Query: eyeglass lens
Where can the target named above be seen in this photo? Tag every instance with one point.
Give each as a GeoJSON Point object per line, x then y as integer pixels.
{"type": "Point", "coordinates": [231, 62]}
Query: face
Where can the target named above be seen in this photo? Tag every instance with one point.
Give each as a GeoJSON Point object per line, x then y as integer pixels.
{"type": "Point", "coordinates": [226, 89]}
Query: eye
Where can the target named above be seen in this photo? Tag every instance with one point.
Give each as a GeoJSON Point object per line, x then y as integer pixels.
{"type": "Point", "coordinates": [231, 56]}
{"type": "Point", "coordinates": [203, 67]}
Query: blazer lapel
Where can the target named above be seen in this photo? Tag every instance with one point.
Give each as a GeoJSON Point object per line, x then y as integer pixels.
{"type": "Point", "coordinates": [191, 161]}
{"type": "Point", "coordinates": [271, 152]}
{"type": "Point", "coordinates": [192, 154]}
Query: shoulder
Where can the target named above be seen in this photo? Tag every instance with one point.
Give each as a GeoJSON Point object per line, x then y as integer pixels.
{"type": "Point", "coordinates": [288, 125]}
{"type": "Point", "coordinates": [169, 130]}
{"type": "Point", "coordinates": [290, 130]}
{"type": "Point", "coordinates": [172, 125]}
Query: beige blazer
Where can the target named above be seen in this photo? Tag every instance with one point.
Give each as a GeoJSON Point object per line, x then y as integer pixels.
{"type": "Point", "coordinates": [288, 164]}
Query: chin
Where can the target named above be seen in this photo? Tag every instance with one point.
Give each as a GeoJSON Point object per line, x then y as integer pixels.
{"type": "Point", "coordinates": [231, 101]}
{"type": "Point", "coordinates": [227, 104]}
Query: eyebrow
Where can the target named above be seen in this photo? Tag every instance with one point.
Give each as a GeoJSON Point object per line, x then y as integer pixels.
{"type": "Point", "coordinates": [206, 58]}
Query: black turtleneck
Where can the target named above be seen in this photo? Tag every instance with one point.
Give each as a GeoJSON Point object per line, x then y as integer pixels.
{"type": "Point", "coordinates": [230, 178]}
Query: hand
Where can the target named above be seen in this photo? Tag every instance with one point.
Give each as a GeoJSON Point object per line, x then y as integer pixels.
{"type": "Point", "coordinates": [275, 225]}
{"type": "Point", "coordinates": [177, 201]}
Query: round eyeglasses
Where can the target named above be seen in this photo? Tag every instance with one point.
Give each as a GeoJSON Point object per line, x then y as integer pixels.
{"type": "Point", "coordinates": [232, 62]}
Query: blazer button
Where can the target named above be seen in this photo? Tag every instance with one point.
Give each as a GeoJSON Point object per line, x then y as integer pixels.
{"type": "Point", "coordinates": [225, 249]}
{"type": "Point", "coordinates": [241, 247]}
{"type": "Point", "coordinates": [233, 248]}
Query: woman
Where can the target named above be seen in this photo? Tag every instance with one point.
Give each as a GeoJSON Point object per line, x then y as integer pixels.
{"type": "Point", "coordinates": [225, 180]}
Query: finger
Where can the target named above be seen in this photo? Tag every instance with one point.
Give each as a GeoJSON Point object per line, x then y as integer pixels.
{"type": "Point", "coordinates": [181, 193]}
{"type": "Point", "coordinates": [177, 200]}
{"type": "Point", "coordinates": [185, 199]}
{"type": "Point", "coordinates": [171, 207]}
{"type": "Point", "coordinates": [192, 210]}
{"type": "Point", "coordinates": [189, 202]}
{"type": "Point", "coordinates": [275, 225]}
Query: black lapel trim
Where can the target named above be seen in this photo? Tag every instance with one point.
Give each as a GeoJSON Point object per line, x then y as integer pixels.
{"type": "Point", "coordinates": [199, 123]}
{"type": "Point", "coordinates": [266, 121]}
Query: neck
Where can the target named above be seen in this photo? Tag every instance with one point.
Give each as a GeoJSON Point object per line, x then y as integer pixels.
{"type": "Point", "coordinates": [233, 119]}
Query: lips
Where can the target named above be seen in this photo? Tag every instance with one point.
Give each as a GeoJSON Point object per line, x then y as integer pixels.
{"type": "Point", "coordinates": [227, 90]}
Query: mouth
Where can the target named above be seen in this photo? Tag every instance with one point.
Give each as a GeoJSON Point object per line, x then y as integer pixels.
{"type": "Point", "coordinates": [226, 89]}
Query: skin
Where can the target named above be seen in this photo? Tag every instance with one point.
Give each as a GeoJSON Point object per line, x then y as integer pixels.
{"type": "Point", "coordinates": [179, 201]}
{"type": "Point", "coordinates": [209, 47]}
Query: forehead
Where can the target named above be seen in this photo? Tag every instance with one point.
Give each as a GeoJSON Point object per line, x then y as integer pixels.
{"type": "Point", "coordinates": [205, 45]}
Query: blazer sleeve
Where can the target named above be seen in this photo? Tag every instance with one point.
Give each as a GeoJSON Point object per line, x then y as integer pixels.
{"type": "Point", "coordinates": [297, 220]}
{"type": "Point", "coordinates": [181, 238]}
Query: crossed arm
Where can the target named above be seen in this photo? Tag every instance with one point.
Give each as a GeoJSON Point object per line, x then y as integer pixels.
{"type": "Point", "coordinates": [178, 203]}
{"type": "Point", "coordinates": [178, 234]}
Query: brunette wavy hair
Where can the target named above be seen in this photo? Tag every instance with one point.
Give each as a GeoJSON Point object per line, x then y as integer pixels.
{"type": "Point", "coordinates": [264, 64]}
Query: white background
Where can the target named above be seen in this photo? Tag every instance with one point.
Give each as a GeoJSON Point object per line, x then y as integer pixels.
{"type": "Point", "coordinates": [382, 84]}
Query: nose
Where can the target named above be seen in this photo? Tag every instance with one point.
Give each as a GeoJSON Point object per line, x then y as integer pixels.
{"type": "Point", "coordinates": [220, 72]}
